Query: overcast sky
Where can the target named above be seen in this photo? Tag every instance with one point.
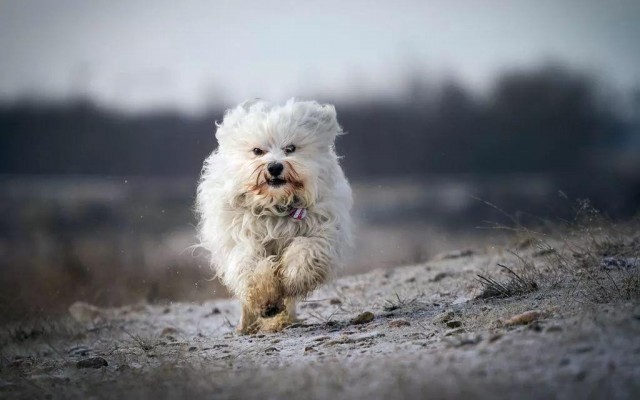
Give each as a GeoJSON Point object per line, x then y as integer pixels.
{"type": "Point", "coordinates": [138, 55]}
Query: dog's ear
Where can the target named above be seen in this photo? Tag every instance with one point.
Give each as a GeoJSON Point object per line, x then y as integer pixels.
{"type": "Point", "coordinates": [234, 116]}
{"type": "Point", "coordinates": [319, 118]}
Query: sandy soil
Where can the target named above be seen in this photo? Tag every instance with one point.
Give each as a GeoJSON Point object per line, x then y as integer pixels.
{"type": "Point", "coordinates": [410, 332]}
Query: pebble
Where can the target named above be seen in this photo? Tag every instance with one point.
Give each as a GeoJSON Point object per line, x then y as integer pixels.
{"type": "Point", "coordinates": [454, 324]}
{"type": "Point", "coordinates": [524, 318]}
{"type": "Point", "coordinates": [397, 323]}
{"type": "Point", "coordinates": [444, 317]}
{"type": "Point", "coordinates": [495, 336]}
{"type": "Point", "coordinates": [169, 331]}
{"type": "Point", "coordinates": [363, 318]}
{"type": "Point", "coordinates": [439, 276]}
{"type": "Point", "coordinates": [93, 362]}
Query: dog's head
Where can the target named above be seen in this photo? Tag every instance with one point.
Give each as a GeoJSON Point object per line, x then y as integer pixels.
{"type": "Point", "coordinates": [278, 156]}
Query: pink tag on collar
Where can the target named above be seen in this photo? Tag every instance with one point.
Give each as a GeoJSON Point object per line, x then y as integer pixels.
{"type": "Point", "coordinates": [298, 213]}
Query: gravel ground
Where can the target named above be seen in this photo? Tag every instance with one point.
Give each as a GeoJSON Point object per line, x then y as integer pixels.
{"type": "Point", "coordinates": [409, 332]}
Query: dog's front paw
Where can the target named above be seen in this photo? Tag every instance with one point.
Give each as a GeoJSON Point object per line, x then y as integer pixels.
{"type": "Point", "coordinates": [305, 265]}
{"type": "Point", "coordinates": [265, 296]}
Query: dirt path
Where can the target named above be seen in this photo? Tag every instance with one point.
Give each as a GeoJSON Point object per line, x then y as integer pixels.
{"type": "Point", "coordinates": [426, 337]}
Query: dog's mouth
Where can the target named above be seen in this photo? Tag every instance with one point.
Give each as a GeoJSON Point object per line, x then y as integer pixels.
{"type": "Point", "coordinates": [276, 182]}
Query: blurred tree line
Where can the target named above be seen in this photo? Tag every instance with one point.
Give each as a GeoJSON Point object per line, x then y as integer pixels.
{"type": "Point", "coordinates": [551, 120]}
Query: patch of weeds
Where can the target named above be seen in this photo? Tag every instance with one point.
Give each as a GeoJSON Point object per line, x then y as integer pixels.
{"type": "Point", "coordinates": [515, 286]}
{"type": "Point", "coordinates": [144, 344]}
{"type": "Point", "coordinates": [398, 303]}
{"type": "Point", "coordinates": [598, 258]}
{"type": "Point", "coordinates": [321, 317]}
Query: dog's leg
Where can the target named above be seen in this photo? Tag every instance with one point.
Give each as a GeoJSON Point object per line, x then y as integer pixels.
{"type": "Point", "coordinates": [248, 320]}
{"type": "Point", "coordinates": [264, 295]}
{"type": "Point", "coordinates": [290, 304]}
{"type": "Point", "coordinates": [306, 263]}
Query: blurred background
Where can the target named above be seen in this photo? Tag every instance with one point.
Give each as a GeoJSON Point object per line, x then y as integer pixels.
{"type": "Point", "coordinates": [107, 110]}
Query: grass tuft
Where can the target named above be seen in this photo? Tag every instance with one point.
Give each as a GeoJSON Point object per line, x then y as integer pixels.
{"type": "Point", "coordinates": [515, 286]}
{"type": "Point", "coordinates": [398, 303]}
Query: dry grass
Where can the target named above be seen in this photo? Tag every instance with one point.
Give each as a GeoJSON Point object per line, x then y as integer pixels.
{"type": "Point", "coordinates": [399, 303]}
{"type": "Point", "coordinates": [598, 258]}
{"type": "Point", "coordinates": [516, 285]}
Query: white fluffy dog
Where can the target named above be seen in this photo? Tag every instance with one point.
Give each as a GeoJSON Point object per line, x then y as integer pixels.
{"type": "Point", "coordinates": [274, 207]}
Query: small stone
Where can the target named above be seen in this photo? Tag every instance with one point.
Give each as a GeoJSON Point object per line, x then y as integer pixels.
{"type": "Point", "coordinates": [444, 317]}
{"type": "Point", "coordinates": [93, 362]}
{"type": "Point", "coordinates": [495, 336]}
{"type": "Point", "coordinates": [439, 276]}
{"type": "Point", "coordinates": [397, 323]}
{"type": "Point", "coordinates": [524, 318]}
{"type": "Point", "coordinates": [363, 318]}
{"type": "Point", "coordinates": [193, 348]}
{"type": "Point", "coordinates": [169, 331]}
{"type": "Point", "coordinates": [454, 324]}
{"type": "Point", "coordinates": [271, 350]}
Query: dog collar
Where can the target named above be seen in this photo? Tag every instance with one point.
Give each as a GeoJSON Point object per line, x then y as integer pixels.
{"type": "Point", "coordinates": [298, 213]}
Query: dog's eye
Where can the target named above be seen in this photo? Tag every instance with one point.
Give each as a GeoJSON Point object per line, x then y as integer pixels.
{"type": "Point", "coordinates": [257, 151]}
{"type": "Point", "coordinates": [289, 149]}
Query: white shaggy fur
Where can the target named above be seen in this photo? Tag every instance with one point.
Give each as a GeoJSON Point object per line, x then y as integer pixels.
{"type": "Point", "coordinates": [264, 256]}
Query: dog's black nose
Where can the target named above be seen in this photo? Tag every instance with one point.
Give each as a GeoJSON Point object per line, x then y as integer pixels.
{"type": "Point", "coordinates": [275, 168]}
